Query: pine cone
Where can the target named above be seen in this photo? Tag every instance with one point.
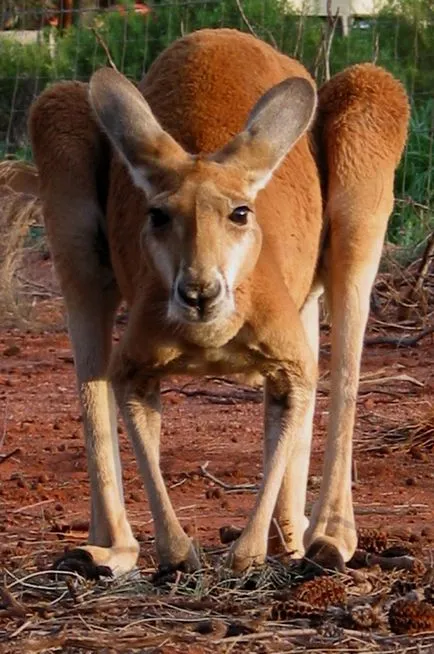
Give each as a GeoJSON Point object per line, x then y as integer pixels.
{"type": "Point", "coordinates": [411, 616]}
{"type": "Point", "coordinates": [365, 616]}
{"type": "Point", "coordinates": [321, 592]}
{"type": "Point", "coordinates": [371, 540]}
{"type": "Point", "coordinates": [290, 610]}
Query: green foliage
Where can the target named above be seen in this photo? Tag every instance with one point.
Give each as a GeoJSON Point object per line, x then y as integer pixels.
{"type": "Point", "coordinates": [414, 185]}
{"type": "Point", "coordinates": [24, 72]}
{"type": "Point", "coordinates": [401, 39]}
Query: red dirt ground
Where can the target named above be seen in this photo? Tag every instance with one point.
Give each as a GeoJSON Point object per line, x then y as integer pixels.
{"type": "Point", "coordinates": [44, 493]}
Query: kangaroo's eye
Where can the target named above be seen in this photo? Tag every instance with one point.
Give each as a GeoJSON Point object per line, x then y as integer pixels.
{"type": "Point", "coordinates": [159, 218]}
{"type": "Point", "coordinates": [240, 215]}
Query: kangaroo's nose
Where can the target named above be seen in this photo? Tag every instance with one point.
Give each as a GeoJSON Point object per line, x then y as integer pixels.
{"type": "Point", "coordinates": [197, 294]}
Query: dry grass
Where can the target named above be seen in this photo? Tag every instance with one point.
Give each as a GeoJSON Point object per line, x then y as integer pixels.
{"type": "Point", "coordinates": [405, 285]}
{"type": "Point", "coordinates": [19, 176]}
{"type": "Point", "coordinates": [20, 208]}
{"type": "Point", "coordinates": [17, 213]}
{"type": "Point", "coordinates": [272, 609]}
{"type": "Point", "coordinates": [417, 434]}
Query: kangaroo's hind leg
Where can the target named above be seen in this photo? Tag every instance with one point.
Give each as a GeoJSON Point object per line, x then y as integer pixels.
{"type": "Point", "coordinates": [69, 152]}
{"type": "Point", "coordinates": [362, 126]}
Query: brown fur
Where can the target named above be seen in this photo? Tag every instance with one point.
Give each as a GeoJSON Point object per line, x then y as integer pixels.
{"type": "Point", "coordinates": [202, 90]}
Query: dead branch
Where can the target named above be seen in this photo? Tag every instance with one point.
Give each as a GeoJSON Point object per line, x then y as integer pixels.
{"type": "Point", "coordinates": [332, 21]}
{"type": "Point", "coordinates": [251, 28]}
{"type": "Point", "coordinates": [245, 19]}
{"type": "Point", "coordinates": [11, 606]}
{"type": "Point", "coordinates": [5, 457]}
{"type": "Point", "coordinates": [415, 291]}
{"type": "Point", "coordinates": [386, 380]}
{"type": "Point", "coordinates": [368, 384]}
{"type": "Point", "coordinates": [223, 484]}
{"type": "Point", "coordinates": [325, 47]}
{"type": "Point", "coordinates": [242, 394]}
{"type": "Point", "coordinates": [104, 46]}
{"type": "Point", "coordinates": [391, 562]}
{"type": "Point", "coordinates": [407, 325]}
{"type": "Point", "coordinates": [300, 32]}
{"type": "Point", "coordinates": [399, 341]}
{"type": "Point", "coordinates": [376, 49]}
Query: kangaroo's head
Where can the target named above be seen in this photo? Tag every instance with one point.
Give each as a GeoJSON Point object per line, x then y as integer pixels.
{"type": "Point", "coordinates": [200, 232]}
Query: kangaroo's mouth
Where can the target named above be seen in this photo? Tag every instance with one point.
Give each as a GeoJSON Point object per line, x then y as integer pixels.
{"type": "Point", "coordinates": [203, 312]}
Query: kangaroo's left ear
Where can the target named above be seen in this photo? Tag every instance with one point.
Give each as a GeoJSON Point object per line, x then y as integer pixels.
{"type": "Point", "coordinates": [279, 118]}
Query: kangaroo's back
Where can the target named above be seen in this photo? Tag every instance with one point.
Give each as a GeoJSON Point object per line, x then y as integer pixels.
{"type": "Point", "coordinates": [203, 87]}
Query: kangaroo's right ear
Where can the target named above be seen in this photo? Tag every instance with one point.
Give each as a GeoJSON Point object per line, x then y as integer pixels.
{"type": "Point", "coordinates": [124, 115]}
{"type": "Point", "coordinates": [279, 118]}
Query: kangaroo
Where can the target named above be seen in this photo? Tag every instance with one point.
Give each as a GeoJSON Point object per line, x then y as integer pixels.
{"type": "Point", "coordinates": [219, 199]}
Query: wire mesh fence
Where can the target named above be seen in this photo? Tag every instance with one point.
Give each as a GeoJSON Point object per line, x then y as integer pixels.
{"type": "Point", "coordinates": [43, 41]}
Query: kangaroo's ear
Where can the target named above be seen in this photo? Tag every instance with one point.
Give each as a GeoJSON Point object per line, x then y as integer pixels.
{"type": "Point", "coordinates": [279, 118]}
{"type": "Point", "coordinates": [124, 115]}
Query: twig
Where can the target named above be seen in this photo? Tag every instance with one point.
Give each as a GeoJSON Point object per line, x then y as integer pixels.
{"type": "Point", "coordinates": [354, 472]}
{"type": "Point", "coordinates": [393, 378]}
{"type": "Point", "coordinates": [332, 22]}
{"type": "Point", "coordinates": [280, 535]}
{"type": "Point", "coordinates": [409, 325]}
{"type": "Point", "coordinates": [250, 394]}
{"type": "Point", "coordinates": [224, 485]}
{"type": "Point", "coordinates": [219, 398]}
{"type": "Point", "coordinates": [35, 285]}
{"type": "Point", "coordinates": [376, 49]}
{"type": "Point", "coordinates": [5, 457]}
{"type": "Point", "coordinates": [269, 635]}
{"type": "Point", "coordinates": [53, 573]}
{"type": "Point", "coordinates": [300, 30]}
{"type": "Point", "coordinates": [5, 422]}
{"type": "Point", "coordinates": [31, 506]}
{"type": "Point", "coordinates": [13, 607]}
{"type": "Point", "coordinates": [44, 295]}
{"type": "Point", "coordinates": [318, 57]}
{"type": "Point", "coordinates": [179, 483]}
{"type": "Point", "coordinates": [399, 341]}
{"type": "Point", "coordinates": [20, 629]}
{"type": "Point", "coordinates": [244, 17]}
{"type": "Point", "coordinates": [325, 47]}
{"type": "Point", "coordinates": [409, 202]}
{"type": "Point", "coordinates": [104, 46]}
{"type": "Point", "coordinates": [391, 562]}
{"type": "Point", "coordinates": [422, 273]}
{"type": "Point", "coordinates": [383, 510]}
{"type": "Point", "coordinates": [271, 37]}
